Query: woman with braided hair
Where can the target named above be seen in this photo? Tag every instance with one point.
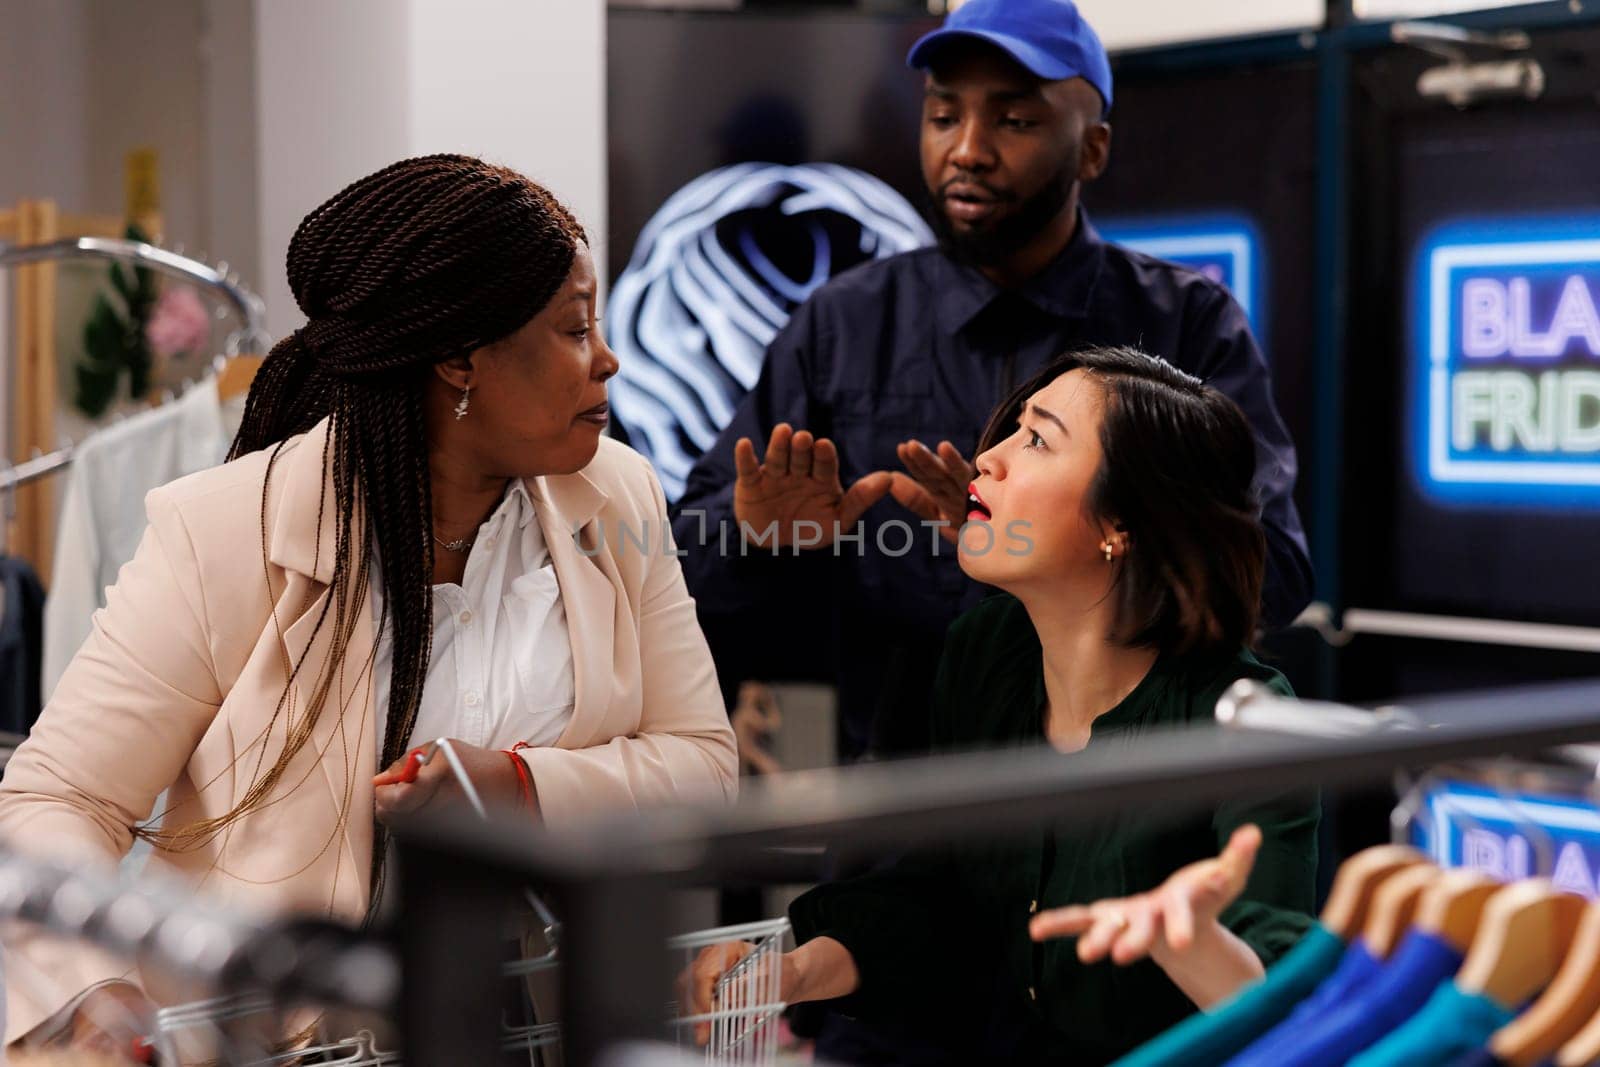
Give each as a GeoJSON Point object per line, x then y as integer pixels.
{"type": "Point", "coordinates": [421, 532]}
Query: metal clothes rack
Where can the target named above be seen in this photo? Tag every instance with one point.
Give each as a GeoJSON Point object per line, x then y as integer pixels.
{"type": "Point", "coordinates": [609, 878]}
{"type": "Point", "coordinates": [1552, 637]}
{"type": "Point", "coordinates": [166, 927]}
{"type": "Point", "coordinates": [247, 307]}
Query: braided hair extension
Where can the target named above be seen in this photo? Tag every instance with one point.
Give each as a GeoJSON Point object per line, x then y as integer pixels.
{"type": "Point", "coordinates": [423, 261]}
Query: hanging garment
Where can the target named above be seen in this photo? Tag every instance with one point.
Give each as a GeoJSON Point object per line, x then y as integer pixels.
{"type": "Point", "coordinates": [1372, 1009]}
{"type": "Point", "coordinates": [1358, 967]}
{"type": "Point", "coordinates": [103, 516]}
{"type": "Point", "coordinates": [1453, 1023]}
{"type": "Point", "coordinates": [1210, 1038]}
{"type": "Point", "coordinates": [21, 626]}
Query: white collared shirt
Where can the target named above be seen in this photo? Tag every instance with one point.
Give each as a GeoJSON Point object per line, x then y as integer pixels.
{"type": "Point", "coordinates": [501, 669]}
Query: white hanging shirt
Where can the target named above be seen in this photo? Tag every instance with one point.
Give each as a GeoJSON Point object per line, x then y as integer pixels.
{"type": "Point", "coordinates": [103, 517]}
{"type": "Point", "coordinates": [501, 669]}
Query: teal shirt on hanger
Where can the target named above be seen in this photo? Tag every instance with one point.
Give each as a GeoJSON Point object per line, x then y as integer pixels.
{"type": "Point", "coordinates": [1453, 1023]}
{"type": "Point", "coordinates": [1211, 1038]}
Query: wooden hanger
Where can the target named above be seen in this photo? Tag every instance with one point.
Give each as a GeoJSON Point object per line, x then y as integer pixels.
{"type": "Point", "coordinates": [235, 375]}
{"type": "Point", "coordinates": [1357, 882]}
{"type": "Point", "coordinates": [1566, 1011]}
{"type": "Point", "coordinates": [1452, 907]}
{"type": "Point", "coordinates": [1524, 936]}
{"type": "Point", "coordinates": [1394, 906]}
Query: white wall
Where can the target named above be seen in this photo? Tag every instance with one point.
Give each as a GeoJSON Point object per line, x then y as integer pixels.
{"type": "Point", "coordinates": [44, 124]}
{"type": "Point", "coordinates": [230, 161]}
{"type": "Point", "coordinates": [1407, 9]}
{"type": "Point", "coordinates": [346, 88]}
{"type": "Point", "coordinates": [331, 92]}
{"type": "Point", "coordinates": [146, 91]}
{"type": "Point", "coordinates": [1144, 23]}
{"type": "Point", "coordinates": [522, 83]}
{"type": "Point", "coordinates": [44, 102]}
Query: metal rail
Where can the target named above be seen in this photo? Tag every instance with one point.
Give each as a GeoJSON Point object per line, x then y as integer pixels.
{"type": "Point", "coordinates": [250, 309]}
{"type": "Point", "coordinates": [611, 875]}
{"type": "Point", "coordinates": [1507, 632]}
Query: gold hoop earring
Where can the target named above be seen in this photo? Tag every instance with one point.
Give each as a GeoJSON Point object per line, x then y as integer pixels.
{"type": "Point", "coordinates": [461, 405]}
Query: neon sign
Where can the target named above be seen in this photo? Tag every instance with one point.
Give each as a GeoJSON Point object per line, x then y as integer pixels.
{"type": "Point", "coordinates": [1223, 248]}
{"type": "Point", "coordinates": [1507, 390]}
{"type": "Point", "coordinates": [1512, 836]}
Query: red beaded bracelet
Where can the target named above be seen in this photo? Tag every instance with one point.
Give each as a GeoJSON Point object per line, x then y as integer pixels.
{"type": "Point", "coordinates": [524, 776]}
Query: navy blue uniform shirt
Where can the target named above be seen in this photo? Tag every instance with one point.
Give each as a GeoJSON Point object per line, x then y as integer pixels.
{"type": "Point", "coordinates": [920, 346]}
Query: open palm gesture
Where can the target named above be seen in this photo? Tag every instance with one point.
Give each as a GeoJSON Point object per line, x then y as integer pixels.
{"type": "Point", "coordinates": [794, 494]}
{"type": "Point", "coordinates": [1162, 921]}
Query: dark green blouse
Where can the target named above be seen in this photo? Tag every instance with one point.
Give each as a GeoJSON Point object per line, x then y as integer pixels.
{"type": "Point", "coordinates": [941, 938]}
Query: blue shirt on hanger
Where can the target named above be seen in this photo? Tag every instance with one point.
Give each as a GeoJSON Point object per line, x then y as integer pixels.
{"type": "Point", "coordinates": [1357, 967]}
{"type": "Point", "coordinates": [1378, 1007]}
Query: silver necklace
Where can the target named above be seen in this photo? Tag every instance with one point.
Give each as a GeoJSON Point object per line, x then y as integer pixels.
{"type": "Point", "coordinates": [461, 545]}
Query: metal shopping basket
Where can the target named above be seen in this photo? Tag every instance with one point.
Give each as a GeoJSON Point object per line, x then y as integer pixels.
{"type": "Point", "coordinates": [745, 1020]}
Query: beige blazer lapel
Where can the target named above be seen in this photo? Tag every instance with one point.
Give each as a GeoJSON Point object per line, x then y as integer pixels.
{"type": "Point", "coordinates": [344, 736]}
{"type": "Point", "coordinates": [567, 507]}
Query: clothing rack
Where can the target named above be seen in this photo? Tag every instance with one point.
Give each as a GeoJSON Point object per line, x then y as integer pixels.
{"type": "Point", "coordinates": [609, 877]}
{"type": "Point", "coordinates": [164, 926]}
{"type": "Point", "coordinates": [33, 469]}
{"type": "Point", "coordinates": [249, 308]}
{"type": "Point", "coordinates": [1551, 637]}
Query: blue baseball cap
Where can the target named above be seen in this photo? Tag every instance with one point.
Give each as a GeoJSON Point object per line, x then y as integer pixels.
{"type": "Point", "coordinates": [1048, 37]}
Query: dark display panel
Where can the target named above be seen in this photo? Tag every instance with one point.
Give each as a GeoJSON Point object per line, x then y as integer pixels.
{"type": "Point", "coordinates": [1422, 534]}
{"type": "Point", "coordinates": [688, 92]}
{"type": "Point", "coordinates": [1237, 144]}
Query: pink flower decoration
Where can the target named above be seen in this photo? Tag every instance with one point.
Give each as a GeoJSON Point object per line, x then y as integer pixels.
{"type": "Point", "coordinates": [178, 324]}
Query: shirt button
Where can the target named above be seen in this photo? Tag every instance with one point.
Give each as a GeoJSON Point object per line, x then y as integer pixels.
{"type": "Point", "coordinates": [1031, 994]}
{"type": "Point", "coordinates": [1033, 907]}
{"type": "Point", "coordinates": [465, 618]}
{"type": "Point", "coordinates": [471, 699]}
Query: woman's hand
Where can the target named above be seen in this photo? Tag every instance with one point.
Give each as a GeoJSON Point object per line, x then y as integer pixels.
{"type": "Point", "coordinates": [1175, 925]}
{"type": "Point", "coordinates": [490, 770]}
{"type": "Point", "coordinates": [697, 985]}
{"type": "Point", "coordinates": [796, 486]}
{"type": "Point", "coordinates": [820, 969]}
{"type": "Point", "coordinates": [114, 1022]}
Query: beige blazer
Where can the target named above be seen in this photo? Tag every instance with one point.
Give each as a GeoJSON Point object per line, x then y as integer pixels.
{"type": "Point", "coordinates": [176, 689]}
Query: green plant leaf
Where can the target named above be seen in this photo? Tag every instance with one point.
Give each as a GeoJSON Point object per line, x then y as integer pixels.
{"type": "Point", "coordinates": [119, 282]}
{"type": "Point", "coordinates": [96, 388]}
{"type": "Point", "coordinates": [103, 334]}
